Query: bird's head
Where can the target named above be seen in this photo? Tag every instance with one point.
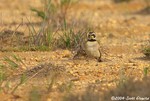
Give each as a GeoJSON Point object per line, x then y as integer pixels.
{"type": "Point", "coordinates": [91, 36]}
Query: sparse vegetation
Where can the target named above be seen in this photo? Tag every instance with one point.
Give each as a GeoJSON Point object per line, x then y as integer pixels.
{"type": "Point", "coordinates": [89, 94]}
{"type": "Point", "coordinates": [146, 71]}
{"type": "Point", "coordinates": [130, 88]}
{"type": "Point", "coordinates": [9, 66]}
{"type": "Point", "coordinates": [66, 87]}
{"type": "Point", "coordinates": [55, 31]}
{"type": "Point", "coordinates": [146, 51]}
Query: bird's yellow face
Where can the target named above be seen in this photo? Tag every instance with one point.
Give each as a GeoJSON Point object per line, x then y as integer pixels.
{"type": "Point", "coordinates": [91, 36]}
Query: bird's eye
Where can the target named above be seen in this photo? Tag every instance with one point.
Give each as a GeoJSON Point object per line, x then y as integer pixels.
{"type": "Point", "coordinates": [93, 33]}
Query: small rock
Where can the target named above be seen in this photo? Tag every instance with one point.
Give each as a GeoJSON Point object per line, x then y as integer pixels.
{"type": "Point", "coordinates": [120, 56]}
{"type": "Point", "coordinates": [71, 72]}
{"type": "Point", "coordinates": [131, 61]}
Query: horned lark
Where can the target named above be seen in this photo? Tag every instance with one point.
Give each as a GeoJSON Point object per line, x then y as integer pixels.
{"type": "Point", "coordinates": [90, 47]}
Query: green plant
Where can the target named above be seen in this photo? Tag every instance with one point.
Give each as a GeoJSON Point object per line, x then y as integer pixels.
{"type": "Point", "coordinates": [22, 81]}
{"type": "Point", "coordinates": [55, 30]}
{"type": "Point", "coordinates": [41, 40]}
{"type": "Point", "coordinates": [146, 51]}
{"type": "Point", "coordinates": [145, 71]}
{"type": "Point", "coordinates": [69, 38]}
{"type": "Point", "coordinates": [13, 61]}
{"type": "Point", "coordinates": [53, 15]}
{"type": "Point", "coordinates": [54, 11]}
{"type": "Point", "coordinates": [47, 38]}
{"type": "Point", "coordinates": [10, 65]}
{"type": "Point", "coordinates": [39, 13]}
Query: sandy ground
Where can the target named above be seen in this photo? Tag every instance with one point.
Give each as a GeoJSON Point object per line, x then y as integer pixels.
{"type": "Point", "coordinates": [121, 31]}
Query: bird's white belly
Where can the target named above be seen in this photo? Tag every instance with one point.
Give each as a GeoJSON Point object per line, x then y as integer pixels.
{"type": "Point", "coordinates": [92, 49]}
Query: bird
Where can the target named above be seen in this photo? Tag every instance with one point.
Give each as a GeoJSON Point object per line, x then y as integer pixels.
{"type": "Point", "coordinates": [90, 47]}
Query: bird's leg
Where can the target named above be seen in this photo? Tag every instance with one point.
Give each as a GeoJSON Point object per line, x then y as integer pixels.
{"type": "Point", "coordinates": [99, 59]}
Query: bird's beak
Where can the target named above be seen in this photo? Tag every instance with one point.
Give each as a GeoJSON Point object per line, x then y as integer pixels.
{"type": "Point", "coordinates": [92, 37]}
